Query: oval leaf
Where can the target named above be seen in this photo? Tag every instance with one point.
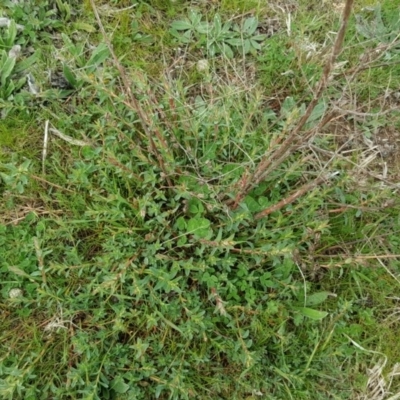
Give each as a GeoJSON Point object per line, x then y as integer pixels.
{"type": "Point", "coordinates": [6, 69]}
{"type": "Point", "coordinates": [69, 75]}
{"type": "Point", "coordinates": [181, 25]}
{"type": "Point", "coordinates": [199, 227]}
{"type": "Point", "coordinates": [317, 298]}
{"type": "Point", "coordinates": [83, 26]}
{"type": "Point", "coordinates": [311, 313]}
{"type": "Point", "coordinates": [100, 54]}
{"type": "Point", "coordinates": [250, 25]}
{"type": "Point", "coordinates": [119, 386]}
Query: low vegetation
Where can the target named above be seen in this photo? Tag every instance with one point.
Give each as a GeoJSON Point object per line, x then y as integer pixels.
{"type": "Point", "coordinates": [199, 200]}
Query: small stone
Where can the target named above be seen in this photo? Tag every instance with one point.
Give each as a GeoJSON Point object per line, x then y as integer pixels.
{"type": "Point", "coordinates": [15, 51]}
{"type": "Point", "coordinates": [203, 66]}
{"type": "Point", "coordinates": [14, 293]}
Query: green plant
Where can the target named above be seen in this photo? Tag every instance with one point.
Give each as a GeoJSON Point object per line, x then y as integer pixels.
{"type": "Point", "coordinates": [138, 36]}
{"type": "Point", "coordinates": [218, 37]}
{"type": "Point", "coordinates": [379, 29]}
{"type": "Point", "coordinates": [12, 69]}
{"type": "Point", "coordinates": [64, 9]}
{"type": "Point", "coordinates": [36, 18]}
{"type": "Point", "coordinates": [16, 177]}
{"type": "Point", "coordinates": [77, 54]}
{"type": "Point", "coordinates": [8, 36]}
{"type": "Point", "coordinates": [248, 40]}
{"type": "Point", "coordinates": [8, 86]}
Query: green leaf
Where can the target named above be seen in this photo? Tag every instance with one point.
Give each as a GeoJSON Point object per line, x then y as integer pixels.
{"type": "Point", "coordinates": [217, 24]}
{"type": "Point", "coordinates": [21, 82]}
{"type": "Point", "coordinates": [69, 45]}
{"type": "Point", "coordinates": [246, 46]}
{"type": "Point", "coordinates": [168, 322]}
{"type": "Point", "coordinates": [199, 227]}
{"type": "Point", "coordinates": [226, 28]}
{"type": "Point", "coordinates": [64, 9]}
{"type": "Point", "coordinates": [250, 25]}
{"type": "Point", "coordinates": [99, 55]}
{"type": "Point", "coordinates": [83, 26]}
{"type": "Point", "coordinates": [203, 27]}
{"type": "Point", "coordinates": [195, 224]}
{"type": "Point", "coordinates": [227, 50]}
{"type": "Point", "coordinates": [181, 25]}
{"type": "Point", "coordinates": [195, 206]}
{"type": "Point", "coordinates": [252, 204]}
{"type": "Point", "coordinates": [182, 241]}
{"type": "Point", "coordinates": [195, 18]}
{"type": "Point", "coordinates": [28, 62]}
{"type": "Point", "coordinates": [9, 90]}
{"type": "Point", "coordinates": [255, 44]}
{"type": "Point", "coordinates": [289, 104]}
{"type": "Point", "coordinates": [12, 33]}
{"type": "Point", "coordinates": [119, 386]}
{"type": "Point", "coordinates": [317, 113]}
{"type": "Point", "coordinates": [212, 50]}
{"type": "Point", "coordinates": [69, 76]}
{"type": "Point", "coordinates": [180, 224]}
{"type": "Point", "coordinates": [20, 272]}
{"type": "Point", "coordinates": [4, 56]}
{"type": "Point", "coordinates": [184, 37]}
{"type": "Point", "coordinates": [234, 41]}
{"type": "Point", "coordinates": [6, 70]}
{"type": "Point", "coordinates": [259, 38]}
{"type": "Point", "coordinates": [316, 298]}
{"type": "Point", "coordinates": [311, 313]}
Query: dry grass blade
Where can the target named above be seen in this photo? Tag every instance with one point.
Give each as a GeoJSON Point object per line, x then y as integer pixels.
{"type": "Point", "coordinates": [69, 139]}
{"type": "Point", "coordinates": [378, 385]}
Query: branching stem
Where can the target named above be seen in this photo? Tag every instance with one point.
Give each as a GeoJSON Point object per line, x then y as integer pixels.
{"type": "Point", "coordinates": [270, 161]}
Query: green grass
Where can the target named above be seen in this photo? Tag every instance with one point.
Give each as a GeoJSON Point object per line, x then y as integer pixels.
{"type": "Point", "coordinates": [132, 266]}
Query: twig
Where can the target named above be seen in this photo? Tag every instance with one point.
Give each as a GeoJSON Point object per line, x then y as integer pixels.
{"type": "Point", "coordinates": [361, 114]}
{"type": "Point", "coordinates": [69, 139]}
{"type": "Point", "coordinates": [117, 163]}
{"type": "Point", "coordinates": [38, 178]}
{"type": "Point", "coordinates": [294, 196]}
{"type": "Point", "coordinates": [369, 65]}
{"type": "Point", "coordinates": [270, 161]}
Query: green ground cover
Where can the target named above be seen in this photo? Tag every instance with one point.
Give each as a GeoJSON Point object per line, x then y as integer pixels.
{"type": "Point", "coordinates": [199, 200]}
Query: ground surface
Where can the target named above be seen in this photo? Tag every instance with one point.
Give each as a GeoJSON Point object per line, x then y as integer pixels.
{"type": "Point", "coordinates": [184, 216]}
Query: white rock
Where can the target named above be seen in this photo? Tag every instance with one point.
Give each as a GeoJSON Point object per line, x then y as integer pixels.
{"type": "Point", "coordinates": [15, 51]}
{"type": "Point", "coordinates": [14, 293]}
{"type": "Point", "coordinates": [203, 66]}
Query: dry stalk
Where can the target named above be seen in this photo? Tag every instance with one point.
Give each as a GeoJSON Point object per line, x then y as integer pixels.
{"type": "Point", "coordinates": [270, 161]}
{"type": "Point", "coordinates": [145, 120]}
{"type": "Point", "coordinates": [39, 255]}
{"type": "Point", "coordinates": [290, 199]}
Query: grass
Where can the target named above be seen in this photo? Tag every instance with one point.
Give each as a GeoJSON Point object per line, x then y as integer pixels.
{"type": "Point", "coordinates": [183, 217]}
